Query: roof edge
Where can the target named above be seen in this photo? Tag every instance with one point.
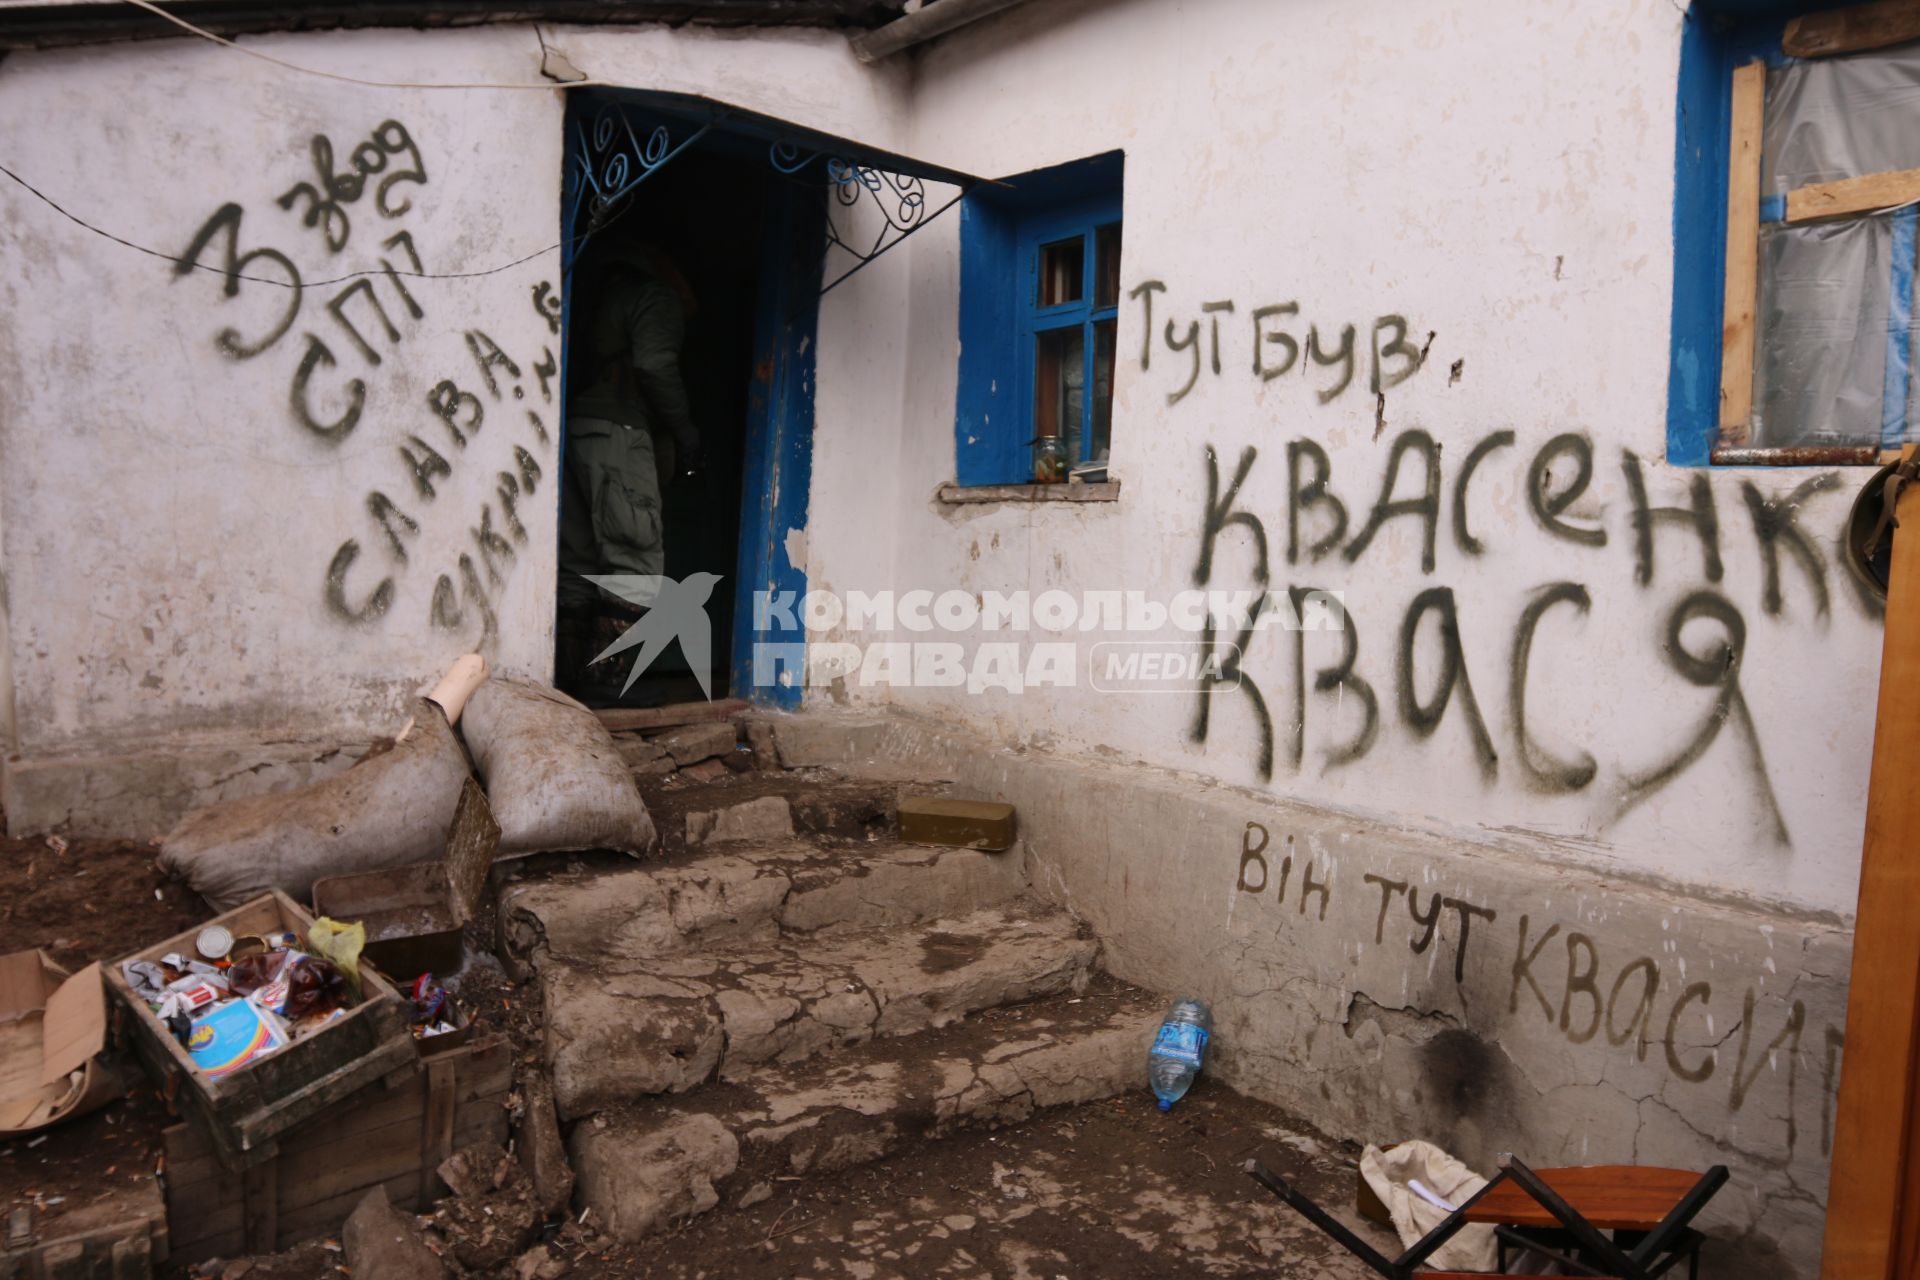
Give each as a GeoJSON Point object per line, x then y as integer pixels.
{"type": "Point", "coordinates": [88, 22]}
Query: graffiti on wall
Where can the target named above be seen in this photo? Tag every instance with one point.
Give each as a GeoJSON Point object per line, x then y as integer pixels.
{"type": "Point", "coordinates": [1310, 538]}
{"type": "Point", "coordinates": [1706, 1030]}
{"type": "Point", "coordinates": [331, 332]}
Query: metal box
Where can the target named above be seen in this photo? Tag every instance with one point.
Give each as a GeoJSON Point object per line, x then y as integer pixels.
{"type": "Point", "coordinates": [415, 915]}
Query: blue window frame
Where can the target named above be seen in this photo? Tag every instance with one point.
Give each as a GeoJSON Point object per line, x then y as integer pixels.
{"type": "Point", "coordinates": [1720, 36]}
{"type": "Point", "coordinates": [1039, 301]}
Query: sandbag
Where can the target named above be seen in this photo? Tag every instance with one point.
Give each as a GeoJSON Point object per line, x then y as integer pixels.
{"type": "Point", "coordinates": [1392, 1172]}
{"type": "Point", "coordinates": [554, 779]}
{"type": "Point", "coordinates": [392, 810]}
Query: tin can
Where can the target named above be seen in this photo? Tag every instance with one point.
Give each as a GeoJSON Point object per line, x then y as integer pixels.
{"type": "Point", "coordinates": [214, 942]}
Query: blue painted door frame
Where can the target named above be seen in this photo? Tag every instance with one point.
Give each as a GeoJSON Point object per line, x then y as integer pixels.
{"type": "Point", "coordinates": [779, 455]}
{"type": "Point", "coordinates": [778, 462]}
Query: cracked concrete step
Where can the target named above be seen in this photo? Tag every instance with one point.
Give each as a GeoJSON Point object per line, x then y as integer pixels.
{"type": "Point", "coordinates": [746, 891]}
{"type": "Point", "coordinates": [649, 1165]}
{"type": "Point", "coordinates": [817, 802]}
{"type": "Point", "coordinates": [623, 1031]}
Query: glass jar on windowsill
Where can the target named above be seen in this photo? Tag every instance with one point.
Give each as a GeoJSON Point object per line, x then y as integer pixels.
{"type": "Point", "coordinates": [1049, 459]}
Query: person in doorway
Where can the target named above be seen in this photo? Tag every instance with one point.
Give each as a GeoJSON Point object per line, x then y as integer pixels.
{"type": "Point", "coordinates": [628, 425]}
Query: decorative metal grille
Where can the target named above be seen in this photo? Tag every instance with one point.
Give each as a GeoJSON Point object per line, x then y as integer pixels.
{"type": "Point", "coordinates": [900, 200]}
{"type": "Point", "coordinates": [613, 159]}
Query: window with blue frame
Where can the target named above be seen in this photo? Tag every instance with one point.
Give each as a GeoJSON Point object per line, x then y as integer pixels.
{"type": "Point", "coordinates": [1039, 302]}
{"type": "Point", "coordinates": [1797, 190]}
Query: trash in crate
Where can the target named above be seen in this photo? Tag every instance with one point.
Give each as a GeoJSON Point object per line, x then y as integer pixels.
{"type": "Point", "coordinates": [433, 1013]}
{"type": "Point", "coordinates": [234, 1034]}
{"type": "Point", "coordinates": [243, 1006]}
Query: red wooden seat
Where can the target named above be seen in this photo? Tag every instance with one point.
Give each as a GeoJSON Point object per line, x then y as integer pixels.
{"type": "Point", "coordinates": [1612, 1197]}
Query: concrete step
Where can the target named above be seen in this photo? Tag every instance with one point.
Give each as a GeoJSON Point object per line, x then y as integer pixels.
{"type": "Point", "coordinates": [646, 1166]}
{"type": "Point", "coordinates": [620, 1030]}
{"type": "Point", "coordinates": [815, 802]}
{"type": "Point", "coordinates": [741, 891]}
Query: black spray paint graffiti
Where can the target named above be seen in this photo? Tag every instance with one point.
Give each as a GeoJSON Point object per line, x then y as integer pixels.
{"type": "Point", "coordinates": [1277, 349]}
{"type": "Point", "coordinates": [355, 313]}
{"type": "Point", "coordinates": [1670, 1024]}
{"type": "Point", "coordinates": [1319, 525]}
{"type": "Point", "coordinates": [367, 319]}
{"type": "Point", "coordinates": [485, 566]}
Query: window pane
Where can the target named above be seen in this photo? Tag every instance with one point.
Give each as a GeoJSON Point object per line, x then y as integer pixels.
{"type": "Point", "coordinates": [1059, 375]}
{"type": "Point", "coordinates": [1102, 435]}
{"type": "Point", "coordinates": [1821, 351]}
{"type": "Point", "coordinates": [1062, 265]}
{"type": "Point", "coordinates": [1833, 118]}
{"type": "Point", "coordinates": [1106, 267]}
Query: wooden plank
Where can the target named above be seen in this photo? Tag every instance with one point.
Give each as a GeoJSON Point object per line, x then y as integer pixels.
{"type": "Point", "coordinates": [1871, 1118]}
{"type": "Point", "coordinates": [260, 1194]}
{"type": "Point", "coordinates": [1743, 252]}
{"type": "Point", "coordinates": [436, 1129]}
{"type": "Point", "coordinates": [373, 1137]}
{"type": "Point", "coordinates": [1853, 195]}
{"type": "Point", "coordinates": [1852, 30]}
{"type": "Point", "coordinates": [628, 719]}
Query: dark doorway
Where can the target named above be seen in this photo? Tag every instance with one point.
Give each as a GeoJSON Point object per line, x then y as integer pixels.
{"type": "Point", "coordinates": [705, 214]}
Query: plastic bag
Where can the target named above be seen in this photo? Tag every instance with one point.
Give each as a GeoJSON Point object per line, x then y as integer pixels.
{"type": "Point", "coordinates": [315, 986]}
{"type": "Point", "coordinates": [1391, 1174]}
{"type": "Point", "coordinates": [255, 970]}
{"type": "Point", "coordinates": [340, 943]}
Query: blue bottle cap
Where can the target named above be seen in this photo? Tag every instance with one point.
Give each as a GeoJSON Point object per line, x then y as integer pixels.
{"type": "Point", "coordinates": [1166, 1104]}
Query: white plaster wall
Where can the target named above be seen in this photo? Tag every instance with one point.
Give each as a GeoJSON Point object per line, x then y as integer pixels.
{"type": "Point", "coordinates": [170, 523]}
{"type": "Point", "coordinates": [1499, 172]}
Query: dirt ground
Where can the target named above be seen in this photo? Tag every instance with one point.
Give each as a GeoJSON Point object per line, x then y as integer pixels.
{"type": "Point", "coordinates": [91, 900]}
{"type": "Point", "coordinates": [1114, 1189]}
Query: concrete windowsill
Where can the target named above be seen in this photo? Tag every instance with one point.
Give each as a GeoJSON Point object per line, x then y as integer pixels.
{"type": "Point", "coordinates": [1108, 491]}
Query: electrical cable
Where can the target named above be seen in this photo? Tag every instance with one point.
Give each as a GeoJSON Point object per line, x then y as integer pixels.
{"type": "Point", "coordinates": [304, 283]}
{"type": "Point", "coordinates": [204, 34]}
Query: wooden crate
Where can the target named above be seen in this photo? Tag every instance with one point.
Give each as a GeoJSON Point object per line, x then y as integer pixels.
{"type": "Point", "coordinates": [245, 1111]}
{"type": "Point", "coordinates": [120, 1236]}
{"type": "Point", "coordinates": [393, 1133]}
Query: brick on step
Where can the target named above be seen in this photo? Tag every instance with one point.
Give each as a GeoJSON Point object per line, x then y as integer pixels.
{"type": "Point", "coordinates": [705, 771]}
{"type": "Point", "coordinates": [693, 743]}
{"type": "Point", "coordinates": [637, 1188]}
{"type": "Point", "coordinates": [764, 818]}
{"type": "Point", "coordinates": [637, 751]}
{"type": "Point", "coordinates": [964, 824]}
{"type": "Point", "coordinates": [766, 755]}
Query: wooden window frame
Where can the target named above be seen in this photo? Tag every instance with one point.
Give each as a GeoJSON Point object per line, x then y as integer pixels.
{"type": "Point", "coordinates": [1841, 31]}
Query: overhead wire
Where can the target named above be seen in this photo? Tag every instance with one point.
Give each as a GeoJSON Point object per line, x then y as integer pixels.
{"type": "Point", "coordinates": [224, 42]}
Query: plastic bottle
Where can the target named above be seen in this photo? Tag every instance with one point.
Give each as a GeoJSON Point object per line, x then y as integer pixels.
{"type": "Point", "coordinates": [1177, 1051]}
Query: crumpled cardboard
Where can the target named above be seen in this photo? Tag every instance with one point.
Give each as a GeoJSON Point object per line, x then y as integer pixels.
{"type": "Point", "coordinates": [51, 1028]}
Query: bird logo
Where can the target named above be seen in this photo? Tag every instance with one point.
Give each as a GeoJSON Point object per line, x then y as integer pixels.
{"type": "Point", "coordinates": [675, 611]}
